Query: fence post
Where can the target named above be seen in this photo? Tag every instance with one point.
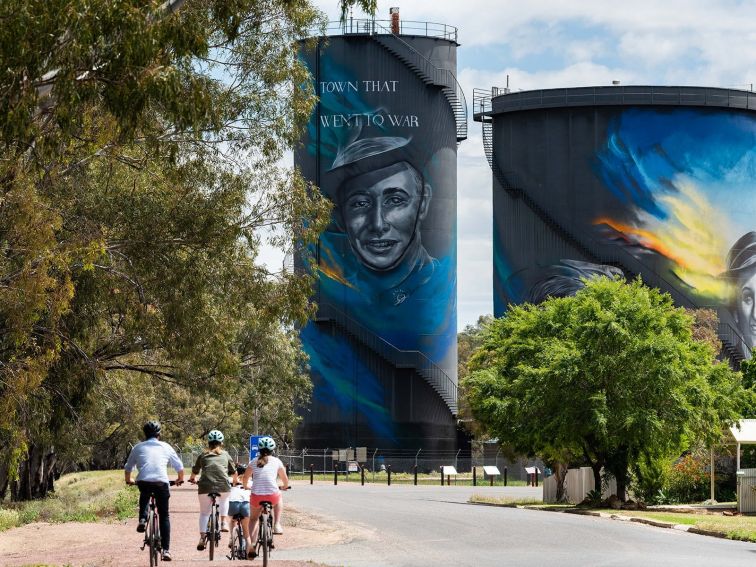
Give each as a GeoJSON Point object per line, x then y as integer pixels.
{"type": "Point", "coordinates": [505, 476]}
{"type": "Point", "coordinates": [415, 475]}
{"type": "Point", "coordinates": [312, 472]}
{"type": "Point", "coordinates": [442, 476]}
{"type": "Point", "coordinates": [388, 469]}
{"type": "Point", "coordinates": [475, 476]}
{"type": "Point", "coordinates": [362, 475]}
{"type": "Point", "coordinates": [335, 473]}
{"type": "Point", "coordinates": [536, 476]}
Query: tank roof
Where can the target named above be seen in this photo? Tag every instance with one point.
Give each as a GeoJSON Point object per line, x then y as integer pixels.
{"type": "Point", "coordinates": [630, 95]}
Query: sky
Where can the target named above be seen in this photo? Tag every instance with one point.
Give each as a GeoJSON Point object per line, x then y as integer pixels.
{"type": "Point", "coordinates": [554, 43]}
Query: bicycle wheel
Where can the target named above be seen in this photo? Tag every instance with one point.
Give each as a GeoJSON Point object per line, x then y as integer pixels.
{"type": "Point", "coordinates": [264, 538]}
{"type": "Point", "coordinates": [242, 550]}
{"type": "Point", "coordinates": [211, 535]}
{"type": "Point", "coordinates": [153, 538]}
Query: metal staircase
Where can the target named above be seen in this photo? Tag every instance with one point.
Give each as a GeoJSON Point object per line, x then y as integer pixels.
{"type": "Point", "coordinates": [436, 378]}
{"type": "Point", "coordinates": [428, 73]}
{"type": "Point", "coordinates": [732, 340]}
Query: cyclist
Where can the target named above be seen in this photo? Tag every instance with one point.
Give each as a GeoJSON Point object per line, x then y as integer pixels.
{"type": "Point", "coordinates": [238, 503]}
{"type": "Point", "coordinates": [152, 457]}
{"type": "Point", "coordinates": [265, 470]}
{"type": "Point", "coordinates": [215, 466]}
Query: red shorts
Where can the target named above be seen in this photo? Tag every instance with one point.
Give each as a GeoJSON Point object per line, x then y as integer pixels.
{"type": "Point", "coordinates": [257, 499]}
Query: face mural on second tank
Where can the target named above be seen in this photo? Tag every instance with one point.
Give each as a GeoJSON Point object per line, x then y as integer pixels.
{"type": "Point", "coordinates": [676, 190]}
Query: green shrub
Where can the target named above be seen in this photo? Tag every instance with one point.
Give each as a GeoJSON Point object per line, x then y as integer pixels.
{"type": "Point", "coordinates": [688, 480]}
{"type": "Point", "coordinates": [8, 519]}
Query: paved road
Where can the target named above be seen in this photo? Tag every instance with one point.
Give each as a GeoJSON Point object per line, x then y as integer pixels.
{"type": "Point", "coordinates": [420, 526]}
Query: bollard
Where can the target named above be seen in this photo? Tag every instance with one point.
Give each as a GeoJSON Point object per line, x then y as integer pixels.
{"type": "Point", "coordinates": [536, 478]}
{"type": "Point", "coordinates": [448, 480]}
{"type": "Point", "coordinates": [490, 478]}
{"type": "Point", "coordinates": [415, 475]}
{"type": "Point", "coordinates": [442, 477]}
{"type": "Point", "coordinates": [388, 470]}
{"type": "Point", "coordinates": [335, 474]}
{"type": "Point", "coordinates": [505, 476]}
{"type": "Point", "coordinates": [475, 476]}
{"type": "Point", "coordinates": [362, 475]}
{"type": "Point", "coordinates": [312, 473]}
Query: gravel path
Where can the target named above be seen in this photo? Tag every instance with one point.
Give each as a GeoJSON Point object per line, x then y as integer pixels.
{"type": "Point", "coordinates": [118, 544]}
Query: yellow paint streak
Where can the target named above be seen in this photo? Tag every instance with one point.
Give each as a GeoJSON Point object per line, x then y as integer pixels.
{"type": "Point", "coordinates": [692, 237]}
{"type": "Point", "coordinates": [331, 268]}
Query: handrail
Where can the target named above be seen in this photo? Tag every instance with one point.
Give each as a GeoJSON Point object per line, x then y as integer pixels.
{"type": "Point", "coordinates": [438, 379]}
{"type": "Point", "coordinates": [406, 27]}
{"type": "Point", "coordinates": [442, 77]}
{"type": "Point", "coordinates": [642, 95]}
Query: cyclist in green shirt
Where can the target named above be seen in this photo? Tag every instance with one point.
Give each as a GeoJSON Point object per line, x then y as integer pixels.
{"type": "Point", "coordinates": [215, 466]}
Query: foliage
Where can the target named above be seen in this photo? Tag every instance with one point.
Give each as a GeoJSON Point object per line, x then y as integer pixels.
{"type": "Point", "coordinates": [610, 375]}
{"type": "Point", "coordinates": [137, 186]}
{"type": "Point", "coordinates": [688, 480]}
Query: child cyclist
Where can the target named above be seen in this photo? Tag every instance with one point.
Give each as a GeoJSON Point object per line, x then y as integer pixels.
{"type": "Point", "coordinates": [238, 503]}
{"type": "Point", "coordinates": [215, 466]}
{"type": "Point", "coordinates": [265, 470]}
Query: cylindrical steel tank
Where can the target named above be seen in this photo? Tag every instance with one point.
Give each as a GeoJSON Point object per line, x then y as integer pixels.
{"type": "Point", "coordinates": [652, 181]}
{"type": "Point", "coordinates": [381, 145]}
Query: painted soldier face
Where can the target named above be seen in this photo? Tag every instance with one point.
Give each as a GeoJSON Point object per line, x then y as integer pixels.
{"type": "Point", "coordinates": [744, 307]}
{"type": "Point", "coordinates": [382, 212]}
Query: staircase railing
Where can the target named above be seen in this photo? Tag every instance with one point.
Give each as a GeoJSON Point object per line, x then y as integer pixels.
{"type": "Point", "coordinates": [435, 376]}
{"type": "Point", "coordinates": [733, 341]}
{"type": "Point", "coordinates": [428, 72]}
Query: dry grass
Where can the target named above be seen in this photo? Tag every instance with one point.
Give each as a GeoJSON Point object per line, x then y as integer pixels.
{"type": "Point", "coordinates": [79, 497]}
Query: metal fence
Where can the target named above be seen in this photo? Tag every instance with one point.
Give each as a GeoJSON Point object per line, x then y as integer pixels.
{"type": "Point", "coordinates": [376, 460]}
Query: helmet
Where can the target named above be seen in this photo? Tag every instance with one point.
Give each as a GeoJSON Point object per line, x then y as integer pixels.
{"type": "Point", "coordinates": [241, 469]}
{"type": "Point", "coordinates": [151, 428]}
{"type": "Point", "coordinates": [266, 443]}
{"type": "Point", "coordinates": [215, 435]}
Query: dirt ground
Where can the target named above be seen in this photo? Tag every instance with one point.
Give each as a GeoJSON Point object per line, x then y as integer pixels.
{"type": "Point", "coordinates": [118, 544]}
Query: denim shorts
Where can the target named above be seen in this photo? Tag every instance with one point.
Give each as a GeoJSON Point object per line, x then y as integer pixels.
{"type": "Point", "coordinates": [241, 508]}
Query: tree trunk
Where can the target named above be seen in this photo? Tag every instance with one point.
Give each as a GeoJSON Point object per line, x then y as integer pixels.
{"type": "Point", "coordinates": [36, 474]}
{"type": "Point", "coordinates": [3, 480]}
{"type": "Point", "coordinates": [596, 468]}
{"type": "Point", "coordinates": [560, 474]}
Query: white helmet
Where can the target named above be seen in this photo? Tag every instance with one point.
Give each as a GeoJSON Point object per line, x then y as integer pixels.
{"type": "Point", "coordinates": [215, 435]}
{"type": "Point", "coordinates": [266, 443]}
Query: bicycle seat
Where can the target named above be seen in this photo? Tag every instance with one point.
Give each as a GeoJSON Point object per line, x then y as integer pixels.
{"type": "Point", "coordinates": [214, 495]}
{"type": "Point", "coordinates": [266, 503]}
{"type": "Point", "coordinates": [238, 517]}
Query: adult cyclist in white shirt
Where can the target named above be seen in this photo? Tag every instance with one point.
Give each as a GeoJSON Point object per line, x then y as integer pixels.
{"type": "Point", "coordinates": [152, 457]}
{"type": "Point", "coordinates": [265, 471]}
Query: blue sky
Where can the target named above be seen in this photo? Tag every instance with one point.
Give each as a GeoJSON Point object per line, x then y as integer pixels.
{"type": "Point", "coordinates": [553, 43]}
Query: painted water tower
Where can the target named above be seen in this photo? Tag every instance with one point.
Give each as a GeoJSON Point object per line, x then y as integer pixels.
{"type": "Point", "coordinates": [382, 146]}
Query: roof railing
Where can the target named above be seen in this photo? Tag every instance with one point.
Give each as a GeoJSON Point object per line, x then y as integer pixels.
{"type": "Point", "coordinates": [352, 26]}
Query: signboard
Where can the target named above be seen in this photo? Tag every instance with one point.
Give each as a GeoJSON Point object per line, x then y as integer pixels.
{"type": "Point", "coordinates": [491, 471]}
{"type": "Point", "coordinates": [532, 470]}
{"type": "Point", "coordinates": [253, 450]}
{"type": "Point", "coordinates": [361, 454]}
{"type": "Point", "coordinates": [449, 470]}
{"type": "Point", "coordinates": [353, 466]}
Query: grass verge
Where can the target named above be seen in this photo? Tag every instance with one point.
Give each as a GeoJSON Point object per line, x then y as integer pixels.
{"type": "Point", "coordinates": [733, 527]}
{"type": "Point", "coordinates": [79, 497]}
{"type": "Point", "coordinates": [509, 501]}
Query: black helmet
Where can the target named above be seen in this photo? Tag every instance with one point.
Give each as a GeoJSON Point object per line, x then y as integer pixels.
{"type": "Point", "coordinates": [151, 429]}
{"type": "Point", "coordinates": [241, 469]}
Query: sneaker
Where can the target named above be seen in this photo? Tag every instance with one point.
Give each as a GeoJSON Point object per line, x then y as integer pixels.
{"type": "Point", "coordinates": [278, 529]}
{"type": "Point", "coordinates": [202, 541]}
{"type": "Point", "coordinates": [224, 527]}
{"type": "Point", "coordinates": [166, 555]}
{"type": "Point", "coordinates": [142, 527]}
{"type": "Point", "coordinates": [251, 554]}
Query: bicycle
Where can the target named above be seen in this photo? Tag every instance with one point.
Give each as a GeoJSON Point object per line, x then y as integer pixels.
{"type": "Point", "coordinates": [238, 542]}
{"type": "Point", "coordinates": [152, 533]}
{"type": "Point", "coordinates": [213, 533]}
{"type": "Point", "coordinates": [265, 531]}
